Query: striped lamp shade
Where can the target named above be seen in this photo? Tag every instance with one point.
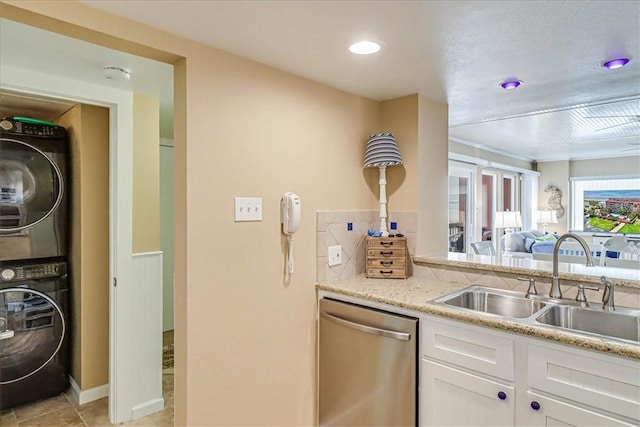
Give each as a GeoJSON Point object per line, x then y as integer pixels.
{"type": "Point", "coordinates": [382, 150]}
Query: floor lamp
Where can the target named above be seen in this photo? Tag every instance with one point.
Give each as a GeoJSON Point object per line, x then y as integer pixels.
{"type": "Point", "coordinates": [507, 220]}
{"type": "Point", "coordinates": [382, 151]}
{"type": "Point", "coordinates": [546, 217]}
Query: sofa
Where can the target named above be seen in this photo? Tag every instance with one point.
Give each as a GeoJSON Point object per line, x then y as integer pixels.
{"type": "Point", "coordinates": [530, 241]}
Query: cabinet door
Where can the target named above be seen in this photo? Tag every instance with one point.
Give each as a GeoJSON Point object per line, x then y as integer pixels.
{"type": "Point", "coordinates": [552, 412]}
{"type": "Point", "coordinates": [449, 397]}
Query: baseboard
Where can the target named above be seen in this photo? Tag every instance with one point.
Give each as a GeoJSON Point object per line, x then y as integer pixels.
{"type": "Point", "coordinates": [147, 408]}
{"type": "Point", "coordinates": [80, 397]}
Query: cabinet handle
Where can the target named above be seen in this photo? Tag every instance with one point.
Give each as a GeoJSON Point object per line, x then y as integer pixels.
{"type": "Point", "coordinates": [386, 243]}
{"type": "Point", "coordinates": [386, 262]}
{"type": "Point", "coordinates": [385, 253]}
{"type": "Point", "coordinates": [502, 395]}
{"type": "Point", "coordinates": [386, 271]}
{"type": "Point", "coordinates": [535, 406]}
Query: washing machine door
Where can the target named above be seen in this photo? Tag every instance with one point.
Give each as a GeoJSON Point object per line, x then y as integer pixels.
{"type": "Point", "coordinates": [32, 329]}
{"type": "Point", "coordinates": [31, 186]}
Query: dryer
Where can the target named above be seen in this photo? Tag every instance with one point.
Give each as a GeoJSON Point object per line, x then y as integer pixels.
{"type": "Point", "coordinates": [33, 189]}
{"type": "Point", "coordinates": [34, 332]}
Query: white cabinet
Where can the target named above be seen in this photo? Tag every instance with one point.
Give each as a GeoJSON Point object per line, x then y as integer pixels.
{"type": "Point", "coordinates": [472, 375]}
{"type": "Point", "coordinates": [545, 411]}
{"type": "Point", "coordinates": [451, 397]}
{"type": "Point", "coordinates": [605, 383]}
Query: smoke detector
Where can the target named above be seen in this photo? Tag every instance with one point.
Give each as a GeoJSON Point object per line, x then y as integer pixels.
{"type": "Point", "coordinates": [117, 73]}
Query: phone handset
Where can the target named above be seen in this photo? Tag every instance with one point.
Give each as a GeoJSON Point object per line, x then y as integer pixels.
{"type": "Point", "coordinates": [291, 210]}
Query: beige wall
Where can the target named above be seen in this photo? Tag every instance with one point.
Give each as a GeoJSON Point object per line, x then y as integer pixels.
{"type": "Point", "coordinates": [557, 175]}
{"type": "Point", "coordinates": [433, 172]}
{"type": "Point", "coordinates": [146, 174]}
{"type": "Point", "coordinates": [618, 166]}
{"type": "Point", "coordinates": [467, 150]}
{"type": "Point", "coordinates": [400, 117]}
{"type": "Point", "coordinates": [245, 332]}
{"type": "Point", "coordinates": [88, 128]}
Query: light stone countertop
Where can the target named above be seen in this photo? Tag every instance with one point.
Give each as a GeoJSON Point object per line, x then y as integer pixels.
{"type": "Point", "coordinates": [510, 264]}
{"type": "Point", "coordinates": [415, 293]}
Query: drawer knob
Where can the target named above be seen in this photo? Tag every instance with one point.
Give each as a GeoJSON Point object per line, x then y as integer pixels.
{"type": "Point", "coordinates": [535, 406]}
{"type": "Point", "coordinates": [502, 395]}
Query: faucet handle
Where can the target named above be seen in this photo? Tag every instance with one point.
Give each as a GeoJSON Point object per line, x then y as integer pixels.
{"type": "Point", "coordinates": [532, 286]}
{"type": "Point", "coordinates": [607, 295]}
{"type": "Point", "coordinates": [581, 298]}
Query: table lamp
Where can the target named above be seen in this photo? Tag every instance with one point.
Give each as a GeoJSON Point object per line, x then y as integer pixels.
{"type": "Point", "coordinates": [382, 151]}
{"type": "Point", "coordinates": [546, 217]}
{"type": "Point", "coordinates": [508, 220]}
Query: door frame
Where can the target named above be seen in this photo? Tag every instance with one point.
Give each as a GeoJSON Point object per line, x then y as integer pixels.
{"type": "Point", "coordinates": [121, 307]}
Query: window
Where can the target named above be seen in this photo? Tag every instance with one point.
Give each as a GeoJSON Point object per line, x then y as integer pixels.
{"type": "Point", "coordinates": [609, 205]}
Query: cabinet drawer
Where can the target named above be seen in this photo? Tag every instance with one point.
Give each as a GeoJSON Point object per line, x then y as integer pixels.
{"type": "Point", "coordinates": [387, 262]}
{"type": "Point", "coordinates": [387, 242]}
{"type": "Point", "coordinates": [389, 273]}
{"type": "Point", "coordinates": [469, 347]}
{"type": "Point", "coordinates": [554, 412]}
{"type": "Point", "coordinates": [611, 383]}
{"type": "Point", "coordinates": [386, 253]}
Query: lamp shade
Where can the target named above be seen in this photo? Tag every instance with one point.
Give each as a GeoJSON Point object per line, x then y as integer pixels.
{"type": "Point", "coordinates": [382, 150]}
{"type": "Point", "coordinates": [508, 219]}
{"type": "Point", "coordinates": [546, 217]}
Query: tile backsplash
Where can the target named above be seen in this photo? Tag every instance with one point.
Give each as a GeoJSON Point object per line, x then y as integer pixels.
{"type": "Point", "coordinates": [349, 229]}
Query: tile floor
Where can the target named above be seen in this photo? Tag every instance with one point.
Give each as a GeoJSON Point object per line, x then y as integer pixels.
{"type": "Point", "coordinates": [61, 411]}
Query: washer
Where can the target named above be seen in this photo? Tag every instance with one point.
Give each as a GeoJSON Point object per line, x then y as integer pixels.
{"type": "Point", "coordinates": [34, 332]}
{"type": "Point", "coordinates": [33, 189]}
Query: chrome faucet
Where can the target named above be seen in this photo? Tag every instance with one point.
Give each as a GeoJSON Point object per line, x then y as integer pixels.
{"type": "Point", "coordinates": [555, 291]}
{"type": "Point", "coordinates": [607, 294]}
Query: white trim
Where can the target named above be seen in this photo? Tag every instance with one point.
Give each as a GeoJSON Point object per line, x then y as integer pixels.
{"type": "Point", "coordinates": [489, 149]}
{"type": "Point", "coordinates": [147, 408]}
{"type": "Point", "coordinates": [80, 397]}
{"type": "Point", "coordinates": [120, 104]}
{"type": "Point", "coordinates": [489, 164]}
{"type": "Point", "coordinates": [601, 177]}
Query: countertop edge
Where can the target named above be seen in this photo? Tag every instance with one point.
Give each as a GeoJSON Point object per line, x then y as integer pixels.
{"type": "Point", "coordinates": [538, 331]}
{"type": "Point", "coordinates": [488, 263]}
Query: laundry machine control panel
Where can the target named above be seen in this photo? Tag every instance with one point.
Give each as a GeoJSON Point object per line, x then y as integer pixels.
{"type": "Point", "coordinates": [31, 272]}
{"type": "Point", "coordinates": [19, 127]}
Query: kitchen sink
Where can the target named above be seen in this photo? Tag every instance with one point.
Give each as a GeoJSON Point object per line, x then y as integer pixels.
{"type": "Point", "coordinates": [494, 301]}
{"type": "Point", "coordinates": [624, 323]}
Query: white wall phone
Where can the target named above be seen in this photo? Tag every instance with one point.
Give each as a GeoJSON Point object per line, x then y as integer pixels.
{"type": "Point", "coordinates": [290, 212]}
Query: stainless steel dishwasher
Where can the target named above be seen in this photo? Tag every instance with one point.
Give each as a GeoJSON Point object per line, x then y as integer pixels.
{"type": "Point", "coordinates": [367, 366]}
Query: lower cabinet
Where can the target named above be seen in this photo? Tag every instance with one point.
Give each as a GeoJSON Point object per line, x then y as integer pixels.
{"type": "Point", "coordinates": [455, 398]}
{"type": "Point", "coordinates": [475, 376]}
{"type": "Point", "coordinates": [545, 411]}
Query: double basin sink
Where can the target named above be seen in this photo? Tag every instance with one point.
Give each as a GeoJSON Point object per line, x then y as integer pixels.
{"type": "Point", "coordinates": [621, 324]}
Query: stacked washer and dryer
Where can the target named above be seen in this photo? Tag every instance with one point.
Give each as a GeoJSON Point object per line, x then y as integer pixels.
{"type": "Point", "coordinates": [34, 286]}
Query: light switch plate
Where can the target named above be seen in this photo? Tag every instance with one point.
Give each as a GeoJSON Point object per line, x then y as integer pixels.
{"type": "Point", "coordinates": [248, 209]}
{"type": "Point", "coordinates": [335, 255]}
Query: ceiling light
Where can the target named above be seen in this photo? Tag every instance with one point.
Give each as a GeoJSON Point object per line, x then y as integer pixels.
{"type": "Point", "coordinates": [117, 73]}
{"type": "Point", "coordinates": [364, 47]}
{"type": "Point", "coordinates": [616, 63]}
{"type": "Point", "coordinates": [510, 84]}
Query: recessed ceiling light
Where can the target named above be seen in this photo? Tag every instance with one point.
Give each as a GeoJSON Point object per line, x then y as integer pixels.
{"type": "Point", "coordinates": [510, 84]}
{"type": "Point", "coordinates": [616, 63]}
{"type": "Point", "coordinates": [365, 47]}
